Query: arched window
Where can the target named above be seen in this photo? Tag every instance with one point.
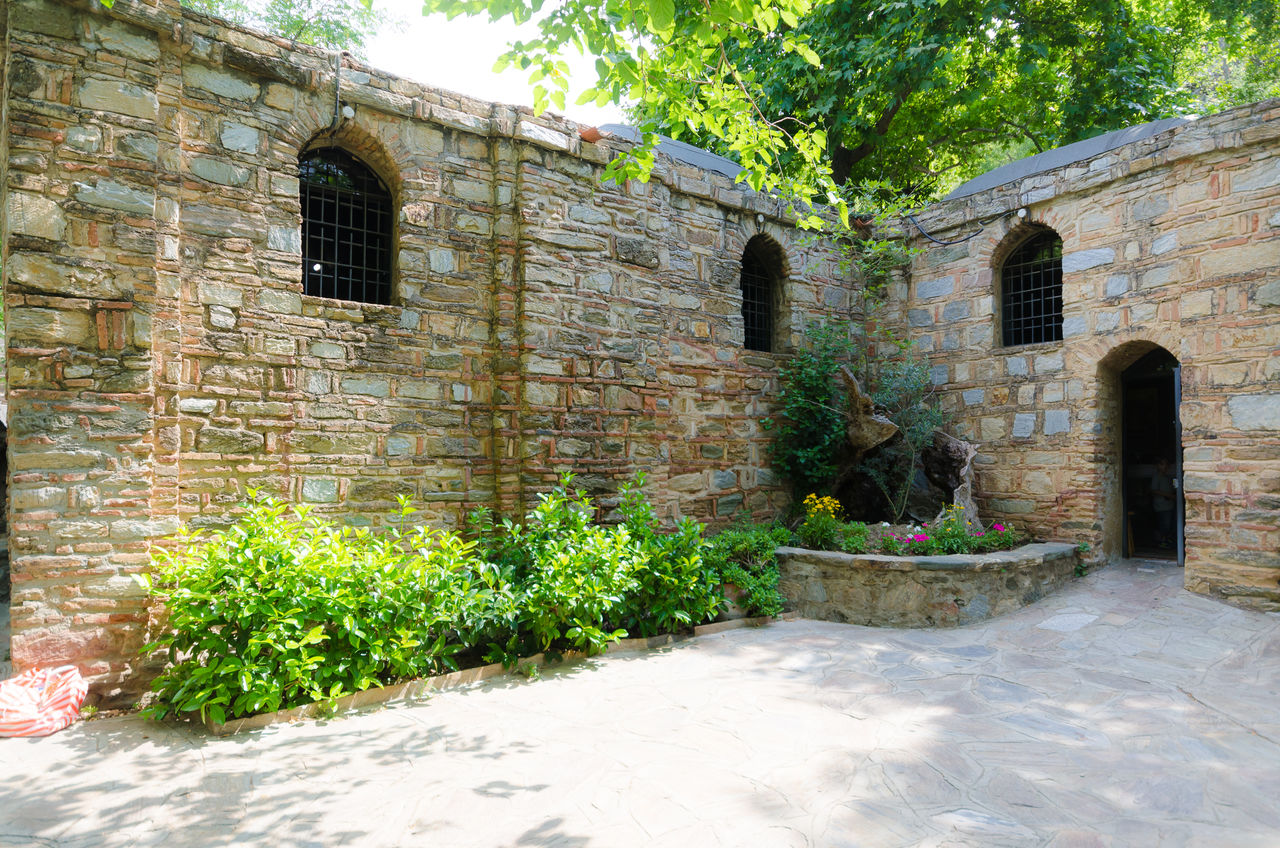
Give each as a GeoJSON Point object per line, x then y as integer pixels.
{"type": "Point", "coordinates": [762, 273]}
{"type": "Point", "coordinates": [1031, 291]}
{"type": "Point", "coordinates": [346, 228]}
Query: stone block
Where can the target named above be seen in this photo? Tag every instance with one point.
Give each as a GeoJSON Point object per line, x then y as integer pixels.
{"type": "Point", "coordinates": [118, 97]}
{"type": "Point", "coordinates": [937, 287]}
{"type": "Point", "coordinates": [220, 294]}
{"type": "Point", "coordinates": [35, 215]}
{"type": "Point", "coordinates": [401, 445]}
{"type": "Point", "coordinates": [1117, 284]}
{"type": "Point", "coordinates": [1239, 259]}
{"type": "Point", "coordinates": [1260, 175]}
{"type": "Point", "coordinates": [49, 326]}
{"type": "Point", "coordinates": [109, 194]}
{"type": "Point", "coordinates": [44, 497]}
{"type": "Point", "coordinates": [1074, 325]}
{"type": "Point", "coordinates": [640, 252]}
{"type": "Point", "coordinates": [371, 386]}
{"type": "Point", "coordinates": [728, 505]}
{"type": "Point", "coordinates": [319, 490]}
{"type": "Point", "coordinates": [221, 83]}
{"type": "Point", "coordinates": [973, 397]}
{"type": "Point", "coordinates": [1150, 206]}
{"type": "Point", "coordinates": [285, 239]}
{"type": "Point", "coordinates": [920, 317]}
{"type": "Point", "coordinates": [240, 138]}
{"type": "Point", "coordinates": [1164, 244]}
{"type": "Point", "coordinates": [219, 171]}
{"type": "Point", "coordinates": [227, 440]}
{"type": "Point", "coordinates": [197, 406]}
{"type": "Point", "coordinates": [1158, 276]}
{"type": "Point", "coordinates": [442, 261]}
{"type": "Point", "coordinates": [283, 302]}
{"type": "Point", "coordinates": [1057, 421]}
{"type": "Point", "coordinates": [1024, 425]}
{"type": "Point", "coordinates": [85, 139]}
{"type": "Point", "coordinates": [221, 318]}
{"type": "Point", "coordinates": [1016, 366]}
{"type": "Point", "coordinates": [992, 429]}
{"type": "Point", "coordinates": [1268, 294]}
{"type": "Point", "coordinates": [1083, 260]}
{"type": "Point", "coordinates": [327, 350]}
{"type": "Point", "coordinates": [138, 146]}
{"type": "Point", "coordinates": [1255, 412]}
{"type": "Point", "coordinates": [1048, 363]}
{"type": "Point", "coordinates": [956, 310]}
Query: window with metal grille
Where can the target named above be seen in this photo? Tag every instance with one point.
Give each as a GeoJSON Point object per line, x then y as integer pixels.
{"type": "Point", "coordinates": [759, 277]}
{"type": "Point", "coordinates": [1031, 292]}
{"type": "Point", "coordinates": [346, 228]}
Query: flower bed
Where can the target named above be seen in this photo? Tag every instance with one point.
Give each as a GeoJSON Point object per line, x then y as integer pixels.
{"type": "Point", "coordinates": [921, 591]}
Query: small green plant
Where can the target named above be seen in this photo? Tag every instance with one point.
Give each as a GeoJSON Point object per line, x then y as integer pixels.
{"type": "Point", "coordinates": [88, 711]}
{"type": "Point", "coordinates": [809, 430]}
{"type": "Point", "coordinates": [821, 528]}
{"type": "Point", "coordinates": [746, 557]}
{"type": "Point", "coordinates": [1082, 567]}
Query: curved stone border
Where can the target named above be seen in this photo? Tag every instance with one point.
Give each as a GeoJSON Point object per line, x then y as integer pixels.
{"type": "Point", "coordinates": [418, 689]}
{"type": "Point", "coordinates": [936, 591]}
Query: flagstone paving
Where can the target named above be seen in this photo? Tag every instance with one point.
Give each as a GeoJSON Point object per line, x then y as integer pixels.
{"type": "Point", "coordinates": [1120, 711]}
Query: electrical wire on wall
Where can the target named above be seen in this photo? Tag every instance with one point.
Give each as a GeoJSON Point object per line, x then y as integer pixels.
{"type": "Point", "coordinates": [982, 225]}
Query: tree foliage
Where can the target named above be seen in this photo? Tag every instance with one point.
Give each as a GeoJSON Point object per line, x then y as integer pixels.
{"type": "Point", "coordinates": [808, 94]}
{"type": "Point", "coordinates": [675, 59]}
{"type": "Point", "coordinates": [926, 93]}
{"type": "Point", "coordinates": [333, 24]}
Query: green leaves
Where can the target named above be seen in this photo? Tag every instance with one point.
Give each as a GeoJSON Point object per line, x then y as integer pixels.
{"type": "Point", "coordinates": [284, 608]}
{"type": "Point", "coordinates": [662, 17]}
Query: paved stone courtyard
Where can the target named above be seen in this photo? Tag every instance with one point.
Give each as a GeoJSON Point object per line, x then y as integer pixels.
{"type": "Point", "coordinates": [1121, 711]}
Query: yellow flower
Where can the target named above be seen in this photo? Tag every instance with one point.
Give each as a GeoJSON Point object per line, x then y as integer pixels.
{"type": "Point", "coordinates": [815, 505]}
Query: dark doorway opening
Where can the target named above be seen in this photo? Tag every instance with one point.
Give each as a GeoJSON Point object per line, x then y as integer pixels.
{"type": "Point", "coordinates": [1152, 457]}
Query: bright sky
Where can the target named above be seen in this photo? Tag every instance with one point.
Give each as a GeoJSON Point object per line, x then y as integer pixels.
{"type": "Point", "coordinates": [458, 55]}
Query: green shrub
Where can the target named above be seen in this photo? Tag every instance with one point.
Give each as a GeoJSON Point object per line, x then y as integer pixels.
{"type": "Point", "coordinates": [747, 558]}
{"type": "Point", "coordinates": [674, 587]}
{"type": "Point", "coordinates": [903, 389]}
{"type": "Point", "coordinates": [949, 535]}
{"type": "Point", "coordinates": [283, 608]}
{"type": "Point", "coordinates": [809, 439]}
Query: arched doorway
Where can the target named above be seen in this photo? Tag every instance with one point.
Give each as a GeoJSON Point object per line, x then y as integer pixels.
{"type": "Point", "coordinates": [1151, 457]}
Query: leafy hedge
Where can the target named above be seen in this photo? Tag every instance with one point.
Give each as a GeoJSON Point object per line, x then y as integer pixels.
{"type": "Point", "coordinates": [283, 607]}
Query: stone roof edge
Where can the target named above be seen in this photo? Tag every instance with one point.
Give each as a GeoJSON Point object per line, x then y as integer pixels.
{"type": "Point", "coordinates": [274, 58]}
{"type": "Point", "coordinates": [1243, 126]}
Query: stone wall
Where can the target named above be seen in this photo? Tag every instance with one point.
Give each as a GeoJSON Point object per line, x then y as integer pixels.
{"type": "Point", "coordinates": [162, 357]}
{"type": "Point", "coordinates": [927, 591]}
{"type": "Point", "coordinates": [1172, 241]}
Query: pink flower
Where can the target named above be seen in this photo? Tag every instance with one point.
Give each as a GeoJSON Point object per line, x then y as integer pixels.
{"type": "Point", "coordinates": [999, 528]}
{"type": "Point", "coordinates": [920, 537]}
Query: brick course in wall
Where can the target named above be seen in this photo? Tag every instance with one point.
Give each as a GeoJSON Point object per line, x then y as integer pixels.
{"type": "Point", "coordinates": [162, 356]}
{"type": "Point", "coordinates": [1172, 241]}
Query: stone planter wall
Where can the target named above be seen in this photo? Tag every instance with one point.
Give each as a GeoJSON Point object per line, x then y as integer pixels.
{"type": "Point", "coordinates": [938, 591]}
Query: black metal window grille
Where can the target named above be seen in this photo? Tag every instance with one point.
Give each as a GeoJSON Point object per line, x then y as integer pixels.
{"type": "Point", "coordinates": [346, 228]}
{"type": "Point", "coordinates": [758, 280]}
{"type": "Point", "coordinates": [1031, 292]}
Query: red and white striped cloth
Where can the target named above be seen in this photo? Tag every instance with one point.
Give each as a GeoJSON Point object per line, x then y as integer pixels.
{"type": "Point", "coordinates": [39, 702]}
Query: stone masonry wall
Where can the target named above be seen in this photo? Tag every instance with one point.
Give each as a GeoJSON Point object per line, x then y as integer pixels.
{"type": "Point", "coordinates": [162, 357]}
{"type": "Point", "coordinates": [1173, 241]}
